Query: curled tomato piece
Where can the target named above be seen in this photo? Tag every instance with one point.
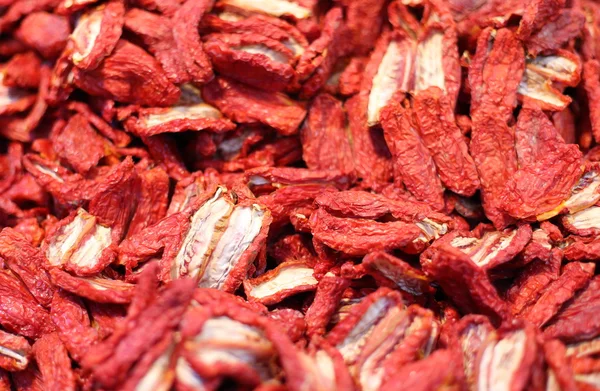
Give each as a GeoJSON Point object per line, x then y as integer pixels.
{"type": "Point", "coordinates": [494, 76]}
{"type": "Point", "coordinates": [364, 20]}
{"type": "Point", "coordinates": [360, 204]}
{"type": "Point", "coordinates": [237, 344]}
{"type": "Point", "coordinates": [373, 235]}
{"type": "Point", "coordinates": [22, 314]}
{"type": "Point", "coordinates": [517, 348]}
{"type": "Point", "coordinates": [583, 223]}
{"type": "Point", "coordinates": [156, 33]}
{"type": "Point", "coordinates": [351, 333]}
{"type": "Point", "coordinates": [46, 33]}
{"type": "Point", "coordinates": [574, 277]}
{"type": "Point", "coordinates": [390, 69]}
{"type": "Point", "coordinates": [372, 160]}
{"type": "Point", "coordinates": [190, 113]}
{"type": "Point", "coordinates": [413, 163]}
{"type": "Point", "coordinates": [442, 137]}
{"type": "Point", "coordinates": [14, 99]}
{"type": "Point", "coordinates": [473, 332]}
{"type": "Point", "coordinates": [101, 290]}
{"type": "Point", "coordinates": [584, 193]}
{"type": "Point", "coordinates": [536, 88]}
{"type": "Point", "coordinates": [150, 317]}
{"type": "Point", "coordinates": [156, 368]}
{"type": "Point", "coordinates": [574, 322]}
{"type": "Point", "coordinates": [326, 368]}
{"type": "Point", "coordinates": [400, 273]}
{"type": "Point", "coordinates": [470, 286]}
{"type": "Point", "coordinates": [136, 77]}
{"type": "Point", "coordinates": [80, 244]}
{"type": "Point", "coordinates": [186, 191]}
{"type": "Point", "coordinates": [243, 104]}
{"type": "Point", "coordinates": [252, 59]}
{"type": "Point", "coordinates": [25, 261]}
{"type": "Point", "coordinates": [215, 241]}
{"type": "Point", "coordinates": [285, 176]}
{"type": "Point", "coordinates": [275, 8]}
{"type": "Point", "coordinates": [436, 61]}
{"type": "Point", "coordinates": [214, 260]}
{"type": "Point", "coordinates": [96, 35]}
{"type": "Point", "coordinates": [15, 352]}
{"type": "Point", "coordinates": [73, 324]}
{"type": "Point", "coordinates": [318, 61]}
{"type": "Point", "coordinates": [426, 373]}
{"type": "Point", "coordinates": [287, 279]}
{"type": "Point", "coordinates": [187, 39]}
{"type": "Point", "coordinates": [532, 280]}
{"type": "Point", "coordinates": [53, 361]}
{"type": "Point", "coordinates": [78, 131]}
{"type": "Point", "coordinates": [487, 248]}
{"type": "Point", "coordinates": [268, 26]}
{"type": "Point", "coordinates": [325, 130]}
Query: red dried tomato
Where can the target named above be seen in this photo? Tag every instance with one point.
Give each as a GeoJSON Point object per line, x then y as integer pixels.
{"type": "Point", "coordinates": [299, 195]}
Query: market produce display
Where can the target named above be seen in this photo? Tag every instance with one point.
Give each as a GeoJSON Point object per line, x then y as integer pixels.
{"type": "Point", "coordinates": [304, 195]}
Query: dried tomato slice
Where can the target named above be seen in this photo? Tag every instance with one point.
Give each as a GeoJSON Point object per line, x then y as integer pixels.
{"type": "Point", "coordinates": [442, 137]}
{"type": "Point", "coordinates": [252, 59]}
{"type": "Point", "coordinates": [537, 90]}
{"type": "Point", "coordinates": [21, 313]}
{"type": "Point", "coordinates": [156, 368]}
{"type": "Point", "coordinates": [426, 373]}
{"type": "Point", "coordinates": [54, 363]}
{"type": "Point", "coordinates": [364, 20]}
{"type": "Point", "coordinates": [349, 335]}
{"type": "Point", "coordinates": [470, 287]}
{"type": "Point", "coordinates": [436, 62]}
{"type": "Point", "coordinates": [189, 113]}
{"type": "Point", "coordinates": [15, 352]}
{"type": "Point", "coordinates": [156, 33]}
{"type": "Point", "coordinates": [156, 314]}
{"type": "Point", "coordinates": [215, 262]}
{"type": "Point", "coordinates": [361, 236]}
{"type": "Point", "coordinates": [528, 186]}
{"type": "Point", "coordinates": [187, 39]}
{"type": "Point", "coordinates": [101, 290]}
{"type": "Point", "coordinates": [390, 69]}
{"type": "Point", "coordinates": [80, 244]}
{"type": "Point", "coordinates": [25, 262]}
{"type": "Point", "coordinates": [574, 322]}
{"type": "Point", "coordinates": [371, 154]}
{"type": "Point", "coordinates": [413, 163]}
{"type": "Point", "coordinates": [494, 92]}
{"type": "Point", "coordinates": [267, 26]}
{"type": "Point", "coordinates": [277, 8]}
{"type": "Point", "coordinates": [584, 193]}
{"type": "Point", "coordinates": [73, 324]}
{"type": "Point", "coordinates": [325, 144]}
{"type": "Point", "coordinates": [136, 78]}
{"type": "Point", "coordinates": [287, 279]}
{"type": "Point", "coordinates": [318, 61]}
{"type": "Point", "coordinates": [473, 333]}
{"type": "Point", "coordinates": [517, 348]}
{"type": "Point", "coordinates": [79, 132]}
{"type": "Point", "coordinates": [96, 35]}
{"type": "Point", "coordinates": [574, 277]}
{"type": "Point", "coordinates": [243, 104]}
{"type": "Point", "coordinates": [400, 273]}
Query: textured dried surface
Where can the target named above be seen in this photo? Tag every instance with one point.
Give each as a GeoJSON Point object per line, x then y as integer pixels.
{"type": "Point", "coordinates": [494, 75]}
{"type": "Point", "coordinates": [413, 164]}
{"type": "Point", "coordinates": [303, 195]}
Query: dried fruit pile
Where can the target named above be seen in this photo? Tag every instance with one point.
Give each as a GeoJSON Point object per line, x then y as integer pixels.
{"type": "Point", "coordinates": [299, 195]}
